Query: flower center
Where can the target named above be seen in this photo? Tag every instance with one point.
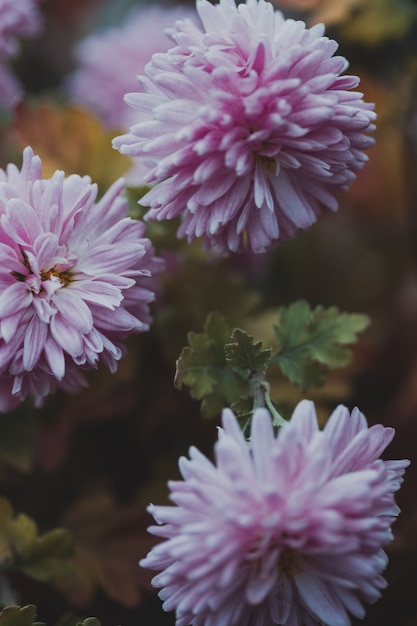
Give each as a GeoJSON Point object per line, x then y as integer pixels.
{"type": "Point", "coordinates": [268, 163]}
{"type": "Point", "coordinates": [287, 562]}
{"type": "Point", "coordinates": [64, 277]}
{"type": "Point", "coordinates": [36, 279]}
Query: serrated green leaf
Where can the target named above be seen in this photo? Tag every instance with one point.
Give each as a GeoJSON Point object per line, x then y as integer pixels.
{"type": "Point", "coordinates": [19, 616]}
{"type": "Point", "coordinates": [246, 357]}
{"type": "Point", "coordinates": [203, 368]}
{"type": "Point", "coordinates": [43, 557]}
{"type": "Point", "coordinates": [309, 340]}
{"type": "Point", "coordinates": [49, 556]}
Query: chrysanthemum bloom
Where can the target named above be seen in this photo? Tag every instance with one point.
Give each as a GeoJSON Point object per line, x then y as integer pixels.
{"type": "Point", "coordinates": [75, 280]}
{"type": "Point", "coordinates": [287, 530]}
{"type": "Point", "coordinates": [18, 19]}
{"type": "Point", "coordinates": [108, 63]}
{"type": "Point", "coordinates": [253, 127]}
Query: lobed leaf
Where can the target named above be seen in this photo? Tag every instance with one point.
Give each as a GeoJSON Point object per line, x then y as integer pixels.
{"type": "Point", "coordinates": [246, 357]}
{"type": "Point", "coordinates": [43, 557]}
{"type": "Point", "coordinates": [309, 340]}
{"type": "Point", "coordinates": [202, 366]}
{"type": "Point", "coordinates": [19, 616]}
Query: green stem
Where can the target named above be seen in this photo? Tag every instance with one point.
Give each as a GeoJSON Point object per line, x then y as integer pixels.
{"type": "Point", "coordinates": [262, 398]}
{"type": "Point", "coordinates": [257, 382]}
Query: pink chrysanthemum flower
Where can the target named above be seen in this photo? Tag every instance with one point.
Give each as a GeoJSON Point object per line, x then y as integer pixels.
{"type": "Point", "coordinates": [110, 61]}
{"type": "Point", "coordinates": [253, 127]}
{"type": "Point", "coordinates": [75, 280]}
{"type": "Point", "coordinates": [18, 19]}
{"type": "Point", "coordinates": [287, 530]}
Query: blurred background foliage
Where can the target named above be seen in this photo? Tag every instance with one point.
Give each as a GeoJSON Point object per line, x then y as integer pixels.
{"type": "Point", "coordinates": [76, 475]}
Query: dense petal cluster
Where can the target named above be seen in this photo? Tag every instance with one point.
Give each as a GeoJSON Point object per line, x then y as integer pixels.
{"type": "Point", "coordinates": [76, 278]}
{"type": "Point", "coordinates": [254, 129]}
{"type": "Point", "coordinates": [109, 62]}
{"type": "Point", "coordinates": [286, 530]}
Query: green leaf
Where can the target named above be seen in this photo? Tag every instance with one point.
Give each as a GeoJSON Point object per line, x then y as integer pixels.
{"type": "Point", "coordinates": [243, 407]}
{"type": "Point", "coordinates": [19, 616]}
{"type": "Point", "coordinates": [49, 556]}
{"type": "Point", "coordinates": [89, 621]}
{"type": "Point", "coordinates": [203, 368]}
{"type": "Point", "coordinates": [72, 619]}
{"type": "Point", "coordinates": [246, 357]}
{"type": "Point", "coordinates": [309, 340]}
{"type": "Point", "coordinates": [43, 557]}
{"type": "Point", "coordinates": [26, 616]}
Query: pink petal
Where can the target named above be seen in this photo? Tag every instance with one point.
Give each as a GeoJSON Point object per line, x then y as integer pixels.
{"type": "Point", "coordinates": [36, 334]}
{"type": "Point", "coordinates": [14, 299]}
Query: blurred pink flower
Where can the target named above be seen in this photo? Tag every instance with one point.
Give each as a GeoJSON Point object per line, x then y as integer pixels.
{"type": "Point", "coordinates": [75, 280]}
{"type": "Point", "coordinates": [286, 530]}
{"type": "Point", "coordinates": [109, 62]}
{"type": "Point", "coordinates": [10, 88]}
{"type": "Point", "coordinates": [253, 127]}
{"type": "Point", "coordinates": [18, 19]}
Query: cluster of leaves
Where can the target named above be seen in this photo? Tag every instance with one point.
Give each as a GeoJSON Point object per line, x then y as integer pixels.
{"type": "Point", "coordinates": [222, 366]}
{"type": "Point", "coordinates": [44, 557]}
{"type": "Point", "coordinates": [26, 616]}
